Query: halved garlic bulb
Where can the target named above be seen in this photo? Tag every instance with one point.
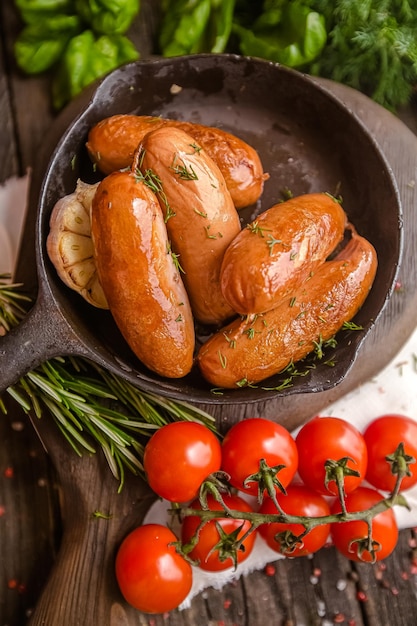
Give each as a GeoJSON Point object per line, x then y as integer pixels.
{"type": "Point", "coordinates": [70, 247]}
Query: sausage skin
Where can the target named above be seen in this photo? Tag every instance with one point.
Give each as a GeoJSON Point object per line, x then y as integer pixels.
{"type": "Point", "coordinates": [275, 254]}
{"type": "Point", "coordinates": [252, 348]}
{"type": "Point", "coordinates": [113, 141]}
{"type": "Point", "coordinates": [141, 282]}
{"type": "Point", "coordinates": [200, 216]}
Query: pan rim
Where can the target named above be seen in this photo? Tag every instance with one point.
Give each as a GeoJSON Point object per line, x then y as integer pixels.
{"type": "Point", "coordinates": [164, 387]}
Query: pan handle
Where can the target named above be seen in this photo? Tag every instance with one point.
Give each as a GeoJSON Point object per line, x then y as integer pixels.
{"type": "Point", "coordinates": [43, 334]}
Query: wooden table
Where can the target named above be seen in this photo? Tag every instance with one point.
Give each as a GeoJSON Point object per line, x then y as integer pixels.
{"type": "Point", "coordinates": [34, 519]}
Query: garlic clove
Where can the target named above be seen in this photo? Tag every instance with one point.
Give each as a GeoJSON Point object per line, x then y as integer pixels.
{"type": "Point", "coordinates": [70, 247]}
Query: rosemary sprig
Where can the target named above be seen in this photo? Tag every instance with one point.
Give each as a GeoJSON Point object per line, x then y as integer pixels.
{"type": "Point", "coordinates": [92, 407]}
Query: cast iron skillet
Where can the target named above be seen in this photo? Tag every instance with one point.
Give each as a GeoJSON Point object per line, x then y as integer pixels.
{"type": "Point", "coordinates": [308, 141]}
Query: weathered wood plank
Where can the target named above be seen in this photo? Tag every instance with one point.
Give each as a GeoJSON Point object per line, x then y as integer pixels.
{"type": "Point", "coordinates": [292, 592]}
{"type": "Point", "coordinates": [30, 519]}
{"type": "Point", "coordinates": [8, 155]}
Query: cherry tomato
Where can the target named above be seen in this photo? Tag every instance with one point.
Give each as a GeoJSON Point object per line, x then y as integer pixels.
{"type": "Point", "coordinates": [332, 438]}
{"type": "Point", "coordinates": [384, 526]}
{"type": "Point", "coordinates": [207, 558]}
{"type": "Point", "coordinates": [299, 501]}
{"type": "Point", "coordinates": [179, 457]}
{"type": "Point", "coordinates": [151, 575]}
{"type": "Point", "coordinates": [251, 440]}
{"type": "Point", "coordinates": [382, 437]}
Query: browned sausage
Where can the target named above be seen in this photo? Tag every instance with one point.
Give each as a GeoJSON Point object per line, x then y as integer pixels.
{"type": "Point", "coordinates": [113, 142]}
{"type": "Point", "coordinates": [272, 256]}
{"type": "Point", "coordinates": [251, 349]}
{"type": "Point", "coordinates": [200, 216]}
{"type": "Point", "coordinates": [141, 282]}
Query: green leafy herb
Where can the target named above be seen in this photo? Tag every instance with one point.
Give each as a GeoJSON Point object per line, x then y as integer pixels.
{"type": "Point", "coordinates": [153, 181]}
{"type": "Point", "coordinates": [367, 44]}
{"type": "Point", "coordinates": [351, 326]}
{"type": "Point", "coordinates": [285, 32]}
{"type": "Point", "coordinates": [92, 408]}
{"type": "Point", "coordinates": [256, 229]}
{"type": "Point", "coordinates": [371, 46]}
{"type": "Point", "coordinates": [34, 11]}
{"type": "Point", "coordinates": [191, 26]}
{"type": "Point", "coordinates": [86, 58]}
{"type": "Point", "coordinates": [78, 40]}
{"type": "Point", "coordinates": [41, 44]}
{"type": "Point", "coordinates": [185, 173]}
{"type": "Point", "coordinates": [108, 17]}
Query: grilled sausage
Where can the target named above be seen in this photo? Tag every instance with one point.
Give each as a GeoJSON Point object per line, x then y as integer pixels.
{"type": "Point", "coordinates": [272, 256]}
{"type": "Point", "coordinates": [251, 349]}
{"type": "Point", "coordinates": [113, 141]}
{"type": "Point", "coordinates": [141, 282]}
{"type": "Point", "coordinates": [200, 216]}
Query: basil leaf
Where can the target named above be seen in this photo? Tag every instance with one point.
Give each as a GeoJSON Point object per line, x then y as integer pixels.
{"type": "Point", "coordinates": [87, 59]}
{"type": "Point", "coordinates": [32, 11]}
{"type": "Point", "coordinates": [221, 24]}
{"type": "Point", "coordinates": [108, 16]}
{"type": "Point", "coordinates": [40, 45]}
{"type": "Point", "coordinates": [183, 26]}
{"type": "Point", "coordinates": [292, 35]}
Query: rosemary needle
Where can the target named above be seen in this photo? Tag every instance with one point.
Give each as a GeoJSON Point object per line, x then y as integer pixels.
{"type": "Point", "coordinates": [92, 407]}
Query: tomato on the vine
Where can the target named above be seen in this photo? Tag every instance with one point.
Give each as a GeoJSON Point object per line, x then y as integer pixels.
{"type": "Point", "coordinates": [350, 537]}
{"type": "Point", "coordinates": [382, 437]}
{"type": "Point", "coordinates": [204, 552]}
{"type": "Point", "coordinates": [151, 575]}
{"type": "Point", "coordinates": [299, 500]}
{"type": "Point", "coordinates": [330, 438]}
{"type": "Point", "coordinates": [251, 440]}
{"type": "Point", "coordinates": [179, 457]}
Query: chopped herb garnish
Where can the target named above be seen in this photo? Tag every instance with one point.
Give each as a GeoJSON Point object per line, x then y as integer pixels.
{"type": "Point", "coordinates": [184, 172]}
{"type": "Point", "coordinates": [231, 342]}
{"type": "Point", "coordinates": [256, 229]}
{"type": "Point", "coordinates": [287, 194]}
{"type": "Point", "coordinates": [351, 326]}
{"type": "Point", "coordinates": [175, 258]}
{"type": "Point", "coordinates": [273, 242]}
{"type": "Point", "coordinates": [250, 332]}
{"type": "Point", "coordinates": [101, 515]}
{"type": "Point", "coordinates": [202, 213]}
{"type": "Point", "coordinates": [222, 359]}
{"type": "Point", "coordinates": [153, 181]}
{"type": "Point", "coordinates": [195, 147]}
{"type": "Point", "coordinates": [219, 235]}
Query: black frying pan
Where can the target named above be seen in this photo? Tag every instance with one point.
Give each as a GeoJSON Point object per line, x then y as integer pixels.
{"type": "Point", "coordinates": [308, 141]}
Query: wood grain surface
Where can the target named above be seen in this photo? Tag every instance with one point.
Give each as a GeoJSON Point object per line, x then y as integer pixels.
{"type": "Point", "coordinates": [56, 557]}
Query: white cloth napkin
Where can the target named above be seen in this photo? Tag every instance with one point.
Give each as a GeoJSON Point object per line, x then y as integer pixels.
{"type": "Point", "coordinates": [13, 200]}
{"type": "Point", "coordinates": [394, 390]}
